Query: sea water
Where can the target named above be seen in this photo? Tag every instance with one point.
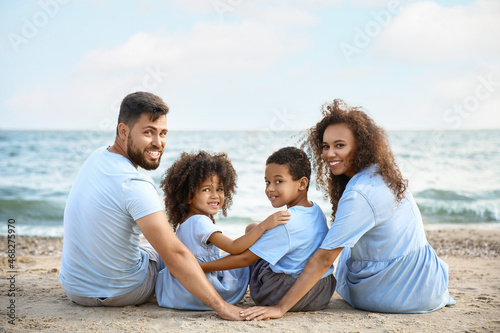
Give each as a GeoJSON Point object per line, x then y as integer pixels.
{"type": "Point", "coordinates": [453, 175]}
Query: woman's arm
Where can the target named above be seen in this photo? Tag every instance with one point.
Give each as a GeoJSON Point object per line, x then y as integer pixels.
{"type": "Point", "coordinates": [244, 242]}
{"type": "Point", "coordinates": [230, 262]}
{"type": "Point", "coordinates": [312, 273]}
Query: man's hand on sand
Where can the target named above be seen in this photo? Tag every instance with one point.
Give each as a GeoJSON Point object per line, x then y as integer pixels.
{"type": "Point", "coordinates": [261, 313]}
{"type": "Point", "coordinates": [230, 312]}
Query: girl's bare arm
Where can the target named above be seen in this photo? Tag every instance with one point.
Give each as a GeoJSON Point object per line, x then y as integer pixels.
{"type": "Point", "coordinates": [244, 242]}
{"type": "Point", "coordinates": [230, 262]}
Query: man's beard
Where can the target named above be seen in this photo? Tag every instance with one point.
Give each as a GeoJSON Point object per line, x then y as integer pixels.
{"type": "Point", "coordinates": [137, 157]}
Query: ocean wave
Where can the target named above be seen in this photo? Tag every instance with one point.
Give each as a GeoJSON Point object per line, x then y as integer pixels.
{"type": "Point", "coordinates": [437, 205]}
{"type": "Point", "coordinates": [442, 195]}
{"type": "Point", "coordinates": [32, 211]}
{"type": "Point", "coordinates": [436, 212]}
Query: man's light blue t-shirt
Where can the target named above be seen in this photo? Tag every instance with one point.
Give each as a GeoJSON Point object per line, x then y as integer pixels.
{"type": "Point", "coordinates": [288, 247]}
{"type": "Point", "coordinates": [101, 255]}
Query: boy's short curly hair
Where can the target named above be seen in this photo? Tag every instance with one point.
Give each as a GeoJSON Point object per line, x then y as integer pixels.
{"type": "Point", "coordinates": [187, 173]}
{"type": "Point", "coordinates": [295, 159]}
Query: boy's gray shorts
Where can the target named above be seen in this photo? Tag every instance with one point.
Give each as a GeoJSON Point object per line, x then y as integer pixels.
{"type": "Point", "coordinates": [137, 296]}
{"type": "Point", "coordinates": [267, 288]}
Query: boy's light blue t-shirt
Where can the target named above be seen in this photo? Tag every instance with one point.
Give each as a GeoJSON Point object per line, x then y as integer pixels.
{"type": "Point", "coordinates": [101, 255]}
{"type": "Point", "coordinates": [288, 247]}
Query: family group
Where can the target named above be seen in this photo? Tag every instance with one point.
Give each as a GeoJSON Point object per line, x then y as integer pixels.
{"type": "Point", "coordinates": [385, 263]}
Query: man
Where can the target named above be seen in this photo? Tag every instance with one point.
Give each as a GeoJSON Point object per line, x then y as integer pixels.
{"type": "Point", "coordinates": [108, 207]}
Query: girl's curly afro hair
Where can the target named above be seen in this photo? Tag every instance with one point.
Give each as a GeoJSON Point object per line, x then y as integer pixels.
{"type": "Point", "coordinates": [187, 173]}
{"type": "Point", "coordinates": [372, 147]}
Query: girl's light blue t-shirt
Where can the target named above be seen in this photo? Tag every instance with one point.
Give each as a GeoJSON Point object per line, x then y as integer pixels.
{"type": "Point", "coordinates": [231, 285]}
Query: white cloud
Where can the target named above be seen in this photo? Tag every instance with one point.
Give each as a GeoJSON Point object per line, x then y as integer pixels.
{"type": "Point", "coordinates": [455, 50]}
{"type": "Point", "coordinates": [204, 6]}
{"type": "Point", "coordinates": [159, 62]}
{"type": "Point", "coordinates": [287, 16]}
{"type": "Point", "coordinates": [197, 5]}
{"type": "Point", "coordinates": [245, 47]}
{"type": "Point", "coordinates": [425, 32]}
{"type": "Point", "coordinates": [357, 73]}
{"type": "Point", "coordinates": [254, 8]}
{"type": "Point", "coordinates": [237, 71]}
{"type": "Point", "coordinates": [452, 99]}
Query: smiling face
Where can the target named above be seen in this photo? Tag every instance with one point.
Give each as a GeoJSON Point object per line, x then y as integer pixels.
{"type": "Point", "coordinates": [146, 142]}
{"type": "Point", "coordinates": [209, 197]}
{"type": "Point", "coordinates": [339, 146]}
{"type": "Point", "coordinates": [281, 189]}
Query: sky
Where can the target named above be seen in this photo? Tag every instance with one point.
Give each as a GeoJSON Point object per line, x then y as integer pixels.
{"type": "Point", "coordinates": [250, 64]}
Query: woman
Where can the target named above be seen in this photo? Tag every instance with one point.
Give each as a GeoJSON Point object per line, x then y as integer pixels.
{"type": "Point", "coordinates": [386, 263]}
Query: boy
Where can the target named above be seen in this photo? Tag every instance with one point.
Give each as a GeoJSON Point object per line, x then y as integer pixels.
{"type": "Point", "coordinates": [281, 254]}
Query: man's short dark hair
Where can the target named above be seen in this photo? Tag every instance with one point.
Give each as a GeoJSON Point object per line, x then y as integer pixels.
{"type": "Point", "coordinates": [295, 159]}
{"type": "Point", "coordinates": [136, 104]}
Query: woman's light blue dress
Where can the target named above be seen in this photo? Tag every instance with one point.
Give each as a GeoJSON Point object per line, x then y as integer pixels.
{"type": "Point", "coordinates": [231, 284]}
{"type": "Point", "coordinates": [386, 265]}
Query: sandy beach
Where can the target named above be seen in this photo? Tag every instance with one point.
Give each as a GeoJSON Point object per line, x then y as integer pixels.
{"type": "Point", "coordinates": [41, 305]}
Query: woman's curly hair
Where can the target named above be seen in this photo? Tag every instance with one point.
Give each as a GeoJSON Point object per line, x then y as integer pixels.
{"type": "Point", "coordinates": [187, 173]}
{"type": "Point", "coordinates": [372, 147]}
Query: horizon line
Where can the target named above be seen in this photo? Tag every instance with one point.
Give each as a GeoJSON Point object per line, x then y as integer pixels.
{"type": "Point", "coordinates": [243, 130]}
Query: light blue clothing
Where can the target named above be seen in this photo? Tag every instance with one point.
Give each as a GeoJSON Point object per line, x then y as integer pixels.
{"type": "Point", "coordinates": [386, 265]}
{"type": "Point", "coordinates": [101, 255]}
{"type": "Point", "coordinates": [288, 247]}
{"type": "Point", "coordinates": [231, 284]}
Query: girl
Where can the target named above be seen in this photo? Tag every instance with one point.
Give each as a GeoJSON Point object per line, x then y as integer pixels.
{"type": "Point", "coordinates": [385, 263]}
{"type": "Point", "coordinates": [196, 187]}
